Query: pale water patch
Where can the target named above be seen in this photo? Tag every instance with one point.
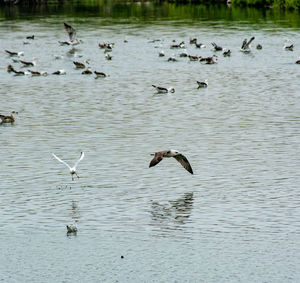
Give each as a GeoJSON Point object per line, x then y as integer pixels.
{"type": "Point", "coordinates": [235, 220]}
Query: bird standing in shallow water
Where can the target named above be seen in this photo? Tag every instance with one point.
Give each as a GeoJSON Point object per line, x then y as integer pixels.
{"type": "Point", "coordinates": [72, 169]}
{"type": "Point", "coordinates": [158, 156]}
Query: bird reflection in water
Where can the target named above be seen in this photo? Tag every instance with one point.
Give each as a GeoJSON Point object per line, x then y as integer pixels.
{"type": "Point", "coordinates": [173, 214]}
{"type": "Point", "coordinates": [75, 215]}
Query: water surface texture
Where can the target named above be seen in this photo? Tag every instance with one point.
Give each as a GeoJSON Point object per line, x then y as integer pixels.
{"type": "Point", "coordinates": [235, 220]}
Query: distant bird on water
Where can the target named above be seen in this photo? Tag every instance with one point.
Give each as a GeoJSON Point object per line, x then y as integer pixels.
{"type": "Point", "coordinates": [28, 63]}
{"type": "Point", "coordinates": [163, 89]}
{"type": "Point", "coordinates": [36, 73]}
{"type": "Point", "coordinates": [8, 118]}
{"type": "Point", "coordinates": [99, 74]}
{"type": "Point", "coordinates": [158, 156]}
{"type": "Point", "coordinates": [10, 69]}
{"type": "Point", "coordinates": [217, 47]}
{"type": "Point", "coordinates": [199, 45]}
{"type": "Point", "coordinates": [80, 65]}
{"type": "Point", "coordinates": [72, 228]}
{"type": "Point", "coordinates": [202, 84]}
{"type": "Point", "coordinates": [13, 53]}
{"type": "Point", "coordinates": [161, 53]}
{"type": "Point", "coordinates": [72, 169]}
{"type": "Point", "coordinates": [87, 71]}
{"type": "Point", "coordinates": [227, 53]}
{"type": "Point", "coordinates": [59, 72]}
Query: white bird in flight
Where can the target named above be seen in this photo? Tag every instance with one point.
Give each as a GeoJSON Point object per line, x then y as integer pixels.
{"type": "Point", "coordinates": [72, 169]}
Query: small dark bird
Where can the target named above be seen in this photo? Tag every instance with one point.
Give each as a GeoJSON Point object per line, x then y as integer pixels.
{"type": "Point", "coordinates": [10, 69]}
{"type": "Point", "coordinates": [227, 53]}
{"type": "Point", "coordinates": [180, 45]}
{"type": "Point", "coordinates": [199, 45]}
{"type": "Point", "coordinates": [208, 60]}
{"type": "Point", "coordinates": [99, 75]}
{"type": "Point", "coordinates": [13, 53]}
{"type": "Point", "coordinates": [193, 40]}
{"type": "Point", "coordinates": [217, 47]}
{"type": "Point", "coordinates": [28, 63]}
{"type": "Point", "coordinates": [202, 84]}
{"type": "Point", "coordinates": [36, 73]}
{"type": "Point", "coordinates": [172, 59]}
{"type": "Point", "coordinates": [8, 118]}
{"type": "Point", "coordinates": [193, 58]}
{"type": "Point", "coordinates": [79, 65]}
{"type": "Point", "coordinates": [87, 72]}
{"type": "Point", "coordinates": [59, 72]}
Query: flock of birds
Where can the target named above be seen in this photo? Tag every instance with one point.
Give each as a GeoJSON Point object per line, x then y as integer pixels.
{"type": "Point", "coordinates": [73, 40]}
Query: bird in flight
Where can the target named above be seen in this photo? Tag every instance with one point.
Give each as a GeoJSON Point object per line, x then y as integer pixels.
{"type": "Point", "coordinates": [158, 156]}
{"type": "Point", "coordinates": [72, 35]}
{"type": "Point", "coordinates": [72, 169]}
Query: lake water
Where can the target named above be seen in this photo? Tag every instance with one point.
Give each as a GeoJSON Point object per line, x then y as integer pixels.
{"type": "Point", "coordinates": [235, 220]}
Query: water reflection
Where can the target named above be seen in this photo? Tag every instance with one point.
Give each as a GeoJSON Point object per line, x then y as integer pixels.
{"type": "Point", "coordinates": [173, 214]}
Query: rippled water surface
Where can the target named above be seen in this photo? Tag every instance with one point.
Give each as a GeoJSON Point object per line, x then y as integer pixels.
{"type": "Point", "coordinates": [235, 220]}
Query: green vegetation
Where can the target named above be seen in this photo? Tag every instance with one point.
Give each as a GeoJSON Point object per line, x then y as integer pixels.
{"type": "Point", "coordinates": [156, 10]}
{"type": "Point", "coordinates": [289, 4]}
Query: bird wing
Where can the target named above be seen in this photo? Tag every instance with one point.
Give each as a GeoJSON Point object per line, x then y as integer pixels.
{"type": "Point", "coordinates": [244, 43]}
{"type": "Point", "coordinates": [61, 161]}
{"type": "Point", "coordinates": [71, 32]}
{"type": "Point", "coordinates": [248, 43]}
{"type": "Point", "coordinates": [160, 89]}
{"type": "Point", "coordinates": [80, 158]}
{"type": "Point", "coordinates": [184, 162]}
{"type": "Point", "coordinates": [158, 157]}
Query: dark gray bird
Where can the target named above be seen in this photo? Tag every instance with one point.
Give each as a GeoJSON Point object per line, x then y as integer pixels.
{"type": "Point", "coordinates": [217, 47]}
{"type": "Point", "coordinates": [99, 74]}
{"type": "Point", "coordinates": [13, 53]}
{"type": "Point", "coordinates": [158, 157]}
{"type": "Point", "coordinates": [227, 53]}
{"type": "Point", "coordinates": [202, 84]}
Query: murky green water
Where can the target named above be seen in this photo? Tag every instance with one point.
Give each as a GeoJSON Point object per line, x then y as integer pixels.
{"type": "Point", "coordinates": [235, 220]}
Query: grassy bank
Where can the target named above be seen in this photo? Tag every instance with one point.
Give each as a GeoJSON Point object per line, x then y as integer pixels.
{"type": "Point", "coordinates": [288, 4]}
